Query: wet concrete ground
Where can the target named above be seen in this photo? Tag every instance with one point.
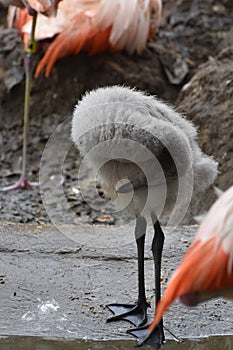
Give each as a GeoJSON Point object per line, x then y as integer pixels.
{"type": "Point", "coordinates": [52, 286]}
{"type": "Point", "coordinates": [29, 343]}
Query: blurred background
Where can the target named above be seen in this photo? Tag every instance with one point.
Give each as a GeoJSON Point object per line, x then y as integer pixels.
{"type": "Point", "coordinates": [188, 64]}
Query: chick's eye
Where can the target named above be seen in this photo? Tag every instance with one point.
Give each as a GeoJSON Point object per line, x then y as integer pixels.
{"type": "Point", "coordinates": [100, 191]}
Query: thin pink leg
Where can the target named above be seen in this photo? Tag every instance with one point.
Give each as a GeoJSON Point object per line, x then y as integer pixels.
{"type": "Point", "coordinates": [21, 184]}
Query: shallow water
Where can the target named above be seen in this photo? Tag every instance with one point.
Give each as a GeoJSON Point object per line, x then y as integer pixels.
{"type": "Point", "coordinates": [34, 343]}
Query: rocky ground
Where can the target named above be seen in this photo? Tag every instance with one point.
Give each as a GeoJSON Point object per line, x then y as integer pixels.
{"type": "Point", "coordinates": [57, 284]}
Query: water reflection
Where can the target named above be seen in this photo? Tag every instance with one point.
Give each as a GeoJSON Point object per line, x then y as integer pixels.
{"type": "Point", "coordinates": [33, 343]}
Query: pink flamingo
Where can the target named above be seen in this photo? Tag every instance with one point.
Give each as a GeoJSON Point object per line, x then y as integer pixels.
{"type": "Point", "coordinates": [93, 26]}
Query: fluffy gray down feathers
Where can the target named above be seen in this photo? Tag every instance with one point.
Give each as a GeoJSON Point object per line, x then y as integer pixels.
{"type": "Point", "coordinates": [122, 126]}
{"type": "Point", "coordinates": [119, 113]}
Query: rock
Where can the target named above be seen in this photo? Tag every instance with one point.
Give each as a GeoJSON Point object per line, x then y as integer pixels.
{"type": "Point", "coordinates": [207, 100]}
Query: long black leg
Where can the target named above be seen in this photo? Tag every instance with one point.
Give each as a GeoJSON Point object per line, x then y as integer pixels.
{"type": "Point", "coordinates": [157, 249]}
{"type": "Point", "coordinates": [155, 337]}
{"type": "Point", "coordinates": [140, 235]}
{"type": "Point", "coordinates": [135, 314]}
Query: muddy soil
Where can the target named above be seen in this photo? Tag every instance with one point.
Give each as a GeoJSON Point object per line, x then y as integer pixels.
{"type": "Point", "coordinates": [192, 33]}
{"type": "Point", "coordinates": [208, 101]}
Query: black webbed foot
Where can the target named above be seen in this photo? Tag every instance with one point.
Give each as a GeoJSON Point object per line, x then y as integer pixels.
{"type": "Point", "coordinates": [136, 314]}
{"type": "Point", "coordinates": [154, 338]}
